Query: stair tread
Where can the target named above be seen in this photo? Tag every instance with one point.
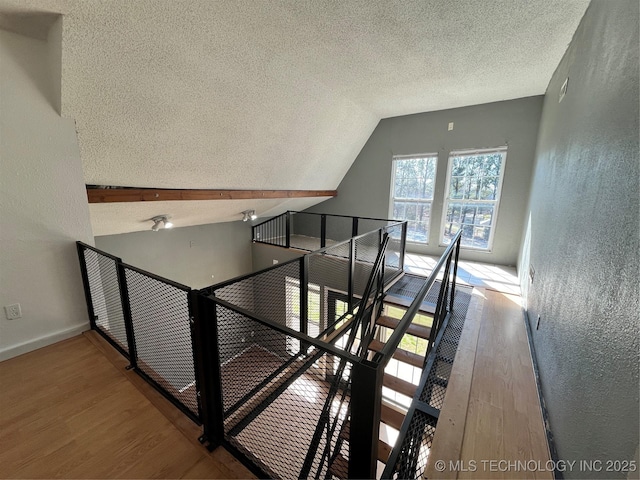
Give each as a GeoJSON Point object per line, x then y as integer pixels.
{"type": "Point", "coordinates": [391, 417]}
{"type": "Point", "coordinates": [425, 307]}
{"type": "Point", "coordinates": [399, 385]}
{"type": "Point", "coordinates": [400, 355]}
{"type": "Point", "coordinates": [414, 329]}
{"type": "Point", "coordinates": [384, 450]}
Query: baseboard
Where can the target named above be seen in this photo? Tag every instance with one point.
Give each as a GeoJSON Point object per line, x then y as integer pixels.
{"type": "Point", "coordinates": [553, 452]}
{"type": "Point", "coordinates": [15, 350]}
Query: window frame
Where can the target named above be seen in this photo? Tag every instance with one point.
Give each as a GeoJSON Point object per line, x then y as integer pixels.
{"type": "Point", "coordinates": [392, 189]}
{"type": "Point", "coordinates": [447, 200]}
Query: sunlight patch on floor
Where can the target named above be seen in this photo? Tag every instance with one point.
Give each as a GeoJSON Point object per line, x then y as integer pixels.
{"type": "Point", "coordinates": [495, 277]}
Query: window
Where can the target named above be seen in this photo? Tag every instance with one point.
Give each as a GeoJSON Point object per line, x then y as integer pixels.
{"type": "Point", "coordinates": [474, 181]}
{"type": "Point", "coordinates": [292, 289]}
{"type": "Point", "coordinates": [412, 183]}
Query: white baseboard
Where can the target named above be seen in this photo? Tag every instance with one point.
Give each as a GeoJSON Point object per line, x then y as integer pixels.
{"type": "Point", "coordinates": [25, 347]}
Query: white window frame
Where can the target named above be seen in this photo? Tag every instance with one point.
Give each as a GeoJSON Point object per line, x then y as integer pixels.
{"type": "Point", "coordinates": [392, 197]}
{"type": "Point", "coordinates": [496, 202]}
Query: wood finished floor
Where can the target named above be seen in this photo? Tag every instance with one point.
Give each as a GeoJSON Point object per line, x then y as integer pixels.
{"type": "Point", "coordinates": [491, 411]}
{"type": "Point", "coordinates": [71, 411]}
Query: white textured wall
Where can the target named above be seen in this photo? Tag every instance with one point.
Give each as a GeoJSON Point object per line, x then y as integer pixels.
{"type": "Point", "coordinates": [189, 255]}
{"type": "Point", "coordinates": [43, 206]}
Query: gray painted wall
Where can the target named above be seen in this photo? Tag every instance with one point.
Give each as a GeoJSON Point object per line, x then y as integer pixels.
{"type": "Point", "coordinates": [188, 255]}
{"type": "Point", "coordinates": [365, 190]}
{"type": "Point", "coordinates": [583, 242]}
{"type": "Point", "coordinates": [263, 255]}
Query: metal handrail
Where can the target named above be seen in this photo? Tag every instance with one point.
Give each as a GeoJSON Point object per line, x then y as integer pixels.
{"type": "Point", "coordinates": [390, 347]}
{"type": "Point", "coordinates": [347, 216]}
{"type": "Point", "coordinates": [268, 220]}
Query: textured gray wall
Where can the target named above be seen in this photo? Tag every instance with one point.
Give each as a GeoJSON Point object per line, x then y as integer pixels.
{"type": "Point", "coordinates": [189, 255]}
{"type": "Point", "coordinates": [583, 242]}
{"type": "Point", "coordinates": [365, 190]}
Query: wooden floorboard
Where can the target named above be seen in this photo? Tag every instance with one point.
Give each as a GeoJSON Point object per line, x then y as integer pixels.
{"type": "Point", "coordinates": [491, 411]}
{"type": "Point", "coordinates": [70, 411]}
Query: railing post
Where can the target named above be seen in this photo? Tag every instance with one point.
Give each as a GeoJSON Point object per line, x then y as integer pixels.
{"type": "Point", "coordinates": [85, 284]}
{"type": "Point", "coordinates": [352, 270]}
{"type": "Point", "coordinates": [194, 340]}
{"type": "Point", "coordinates": [288, 230]}
{"type": "Point", "coordinates": [455, 274]}
{"type": "Point", "coordinates": [126, 311]}
{"type": "Point", "coordinates": [366, 399]}
{"type": "Point", "coordinates": [354, 227]}
{"type": "Point", "coordinates": [304, 293]}
{"type": "Point", "coordinates": [323, 231]}
{"type": "Point", "coordinates": [403, 245]}
{"type": "Point", "coordinates": [207, 355]}
{"type": "Point", "coordinates": [381, 232]}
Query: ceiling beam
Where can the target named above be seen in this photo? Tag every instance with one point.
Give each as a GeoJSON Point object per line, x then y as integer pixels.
{"type": "Point", "coordinates": [115, 195]}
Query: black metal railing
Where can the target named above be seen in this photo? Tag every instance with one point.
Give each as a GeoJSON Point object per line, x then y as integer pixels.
{"type": "Point", "coordinates": [284, 397]}
{"type": "Point", "coordinates": [409, 456]}
{"type": "Point", "coordinates": [313, 231]}
{"type": "Point", "coordinates": [293, 290]}
{"type": "Point", "coordinates": [147, 318]}
{"type": "Point", "coordinates": [275, 364]}
{"type": "Point", "coordinates": [312, 408]}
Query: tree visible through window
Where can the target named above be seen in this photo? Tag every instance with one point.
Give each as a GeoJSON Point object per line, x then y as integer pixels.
{"type": "Point", "coordinates": [413, 180]}
{"type": "Point", "coordinates": [472, 197]}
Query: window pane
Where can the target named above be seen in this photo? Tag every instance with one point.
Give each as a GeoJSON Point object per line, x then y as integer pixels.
{"type": "Point", "coordinates": [414, 180]}
{"type": "Point", "coordinates": [457, 187]}
{"type": "Point", "coordinates": [398, 209]}
{"type": "Point", "coordinates": [410, 212]}
{"type": "Point", "coordinates": [473, 188]}
{"type": "Point", "coordinates": [472, 196]}
{"type": "Point", "coordinates": [484, 215]}
{"type": "Point", "coordinates": [489, 188]}
{"type": "Point", "coordinates": [481, 237]}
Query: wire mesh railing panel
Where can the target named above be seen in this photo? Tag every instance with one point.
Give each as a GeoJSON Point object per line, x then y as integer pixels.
{"type": "Point", "coordinates": [102, 273]}
{"type": "Point", "coordinates": [274, 397]}
{"type": "Point", "coordinates": [366, 251]}
{"type": "Point", "coordinates": [367, 225]}
{"type": "Point", "coordinates": [249, 353]}
{"type": "Point", "coordinates": [416, 445]}
{"type": "Point", "coordinates": [273, 294]}
{"type": "Point", "coordinates": [339, 229]}
{"type": "Point", "coordinates": [160, 319]}
{"type": "Point", "coordinates": [305, 224]}
{"type": "Point", "coordinates": [328, 270]}
{"type": "Point", "coordinates": [393, 259]}
{"type": "Point", "coordinates": [434, 390]}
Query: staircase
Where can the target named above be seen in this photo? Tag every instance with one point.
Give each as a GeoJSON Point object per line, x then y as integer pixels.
{"type": "Point", "coordinates": [392, 413]}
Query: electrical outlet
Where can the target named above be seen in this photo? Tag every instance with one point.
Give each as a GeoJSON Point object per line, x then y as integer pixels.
{"type": "Point", "coordinates": [450, 127]}
{"type": "Point", "coordinates": [13, 311]}
{"type": "Point", "coordinates": [275, 262]}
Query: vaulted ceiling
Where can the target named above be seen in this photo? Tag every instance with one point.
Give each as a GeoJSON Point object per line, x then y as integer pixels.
{"type": "Point", "coordinates": [267, 94]}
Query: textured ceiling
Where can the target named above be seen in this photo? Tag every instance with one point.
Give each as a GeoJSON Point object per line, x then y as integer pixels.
{"type": "Point", "coordinates": [277, 94]}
